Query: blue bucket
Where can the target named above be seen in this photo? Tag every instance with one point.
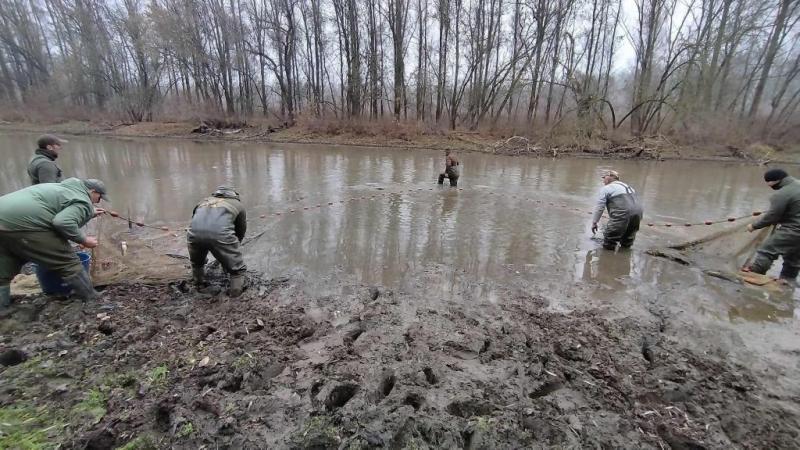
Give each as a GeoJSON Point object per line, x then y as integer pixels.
{"type": "Point", "coordinates": [52, 284]}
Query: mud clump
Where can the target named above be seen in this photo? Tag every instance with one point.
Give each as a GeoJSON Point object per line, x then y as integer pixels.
{"type": "Point", "coordinates": [179, 369]}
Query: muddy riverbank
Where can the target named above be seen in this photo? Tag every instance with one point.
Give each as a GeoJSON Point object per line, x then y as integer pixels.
{"type": "Point", "coordinates": [411, 136]}
{"type": "Point", "coordinates": [160, 366]}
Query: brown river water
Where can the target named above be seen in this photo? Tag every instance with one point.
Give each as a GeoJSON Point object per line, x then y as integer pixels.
{"type": "Point", "coordinates": [396, 225]}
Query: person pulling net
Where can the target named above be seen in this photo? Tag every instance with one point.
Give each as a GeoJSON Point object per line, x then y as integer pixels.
{"type": "Point", "coordinates": [735, 255]}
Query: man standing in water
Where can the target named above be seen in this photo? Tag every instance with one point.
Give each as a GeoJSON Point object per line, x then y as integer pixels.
{"type": "Point", "coordinates": [219, 224]}
{"type": "Point", "coordinates": [42, 167]}
{"type": "Point", "coordinates": [624, 212]}
{"type": "Point", "coordinates": [36, 224]}
{"type": "Point", "coordinates": [784, 211]}
{"type": "Point", "coordinates": [450, 169]}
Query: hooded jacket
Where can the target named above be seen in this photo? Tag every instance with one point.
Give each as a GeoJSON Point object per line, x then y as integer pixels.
{"type": "Point", "coordinates": [61, 207]}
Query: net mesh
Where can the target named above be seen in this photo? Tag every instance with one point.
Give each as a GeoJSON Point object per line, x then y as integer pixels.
{"type": "Point", "coordinates": [721, 254]}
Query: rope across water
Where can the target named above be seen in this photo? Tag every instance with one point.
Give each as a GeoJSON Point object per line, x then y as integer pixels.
{"type": "Point", "coordinates": [321, 205]}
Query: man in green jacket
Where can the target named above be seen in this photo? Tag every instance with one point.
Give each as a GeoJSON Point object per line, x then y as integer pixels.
{"type": "Point", "coordinates": [219, 224]}
{"type": "Point", "coordinates": [36, 224]}
{"type": "Point", "coordinates": [784, 212]}
{"type": "Point", "coordinates": [43, 168]}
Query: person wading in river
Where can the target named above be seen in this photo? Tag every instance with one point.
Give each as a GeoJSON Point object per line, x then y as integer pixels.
{"type": "Point", "coordinates": [450, 169]}
{"type": "Point", "coordinates": [624, 212]}
{"type": "Point", "coordinates": [36, 224]}
{"type": "Point", "coordinates": [219, 224]}
{"type": "Point", "coordinates": [784, 212]}
{"type": "Point", "coordinates": [42, 167]}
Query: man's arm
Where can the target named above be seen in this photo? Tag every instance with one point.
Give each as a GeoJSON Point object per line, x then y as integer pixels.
{"type": "Point", "coordinates": [69, 221]}
{"type": "Point", "coordinates": [600, 206]}
{"type": "Point", "coordinates": [240, 225]}
{"type": "Point", "coordinates": [777, 207]}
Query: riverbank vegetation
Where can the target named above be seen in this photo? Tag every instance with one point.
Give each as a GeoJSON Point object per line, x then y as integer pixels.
{"type": "Point", "coordinates": [587, 74]}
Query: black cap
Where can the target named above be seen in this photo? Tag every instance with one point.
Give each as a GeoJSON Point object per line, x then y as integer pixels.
{"type": "Point", "coordinates": [48, 139]}
{"type": "Point", "coordinates": [775, 175]}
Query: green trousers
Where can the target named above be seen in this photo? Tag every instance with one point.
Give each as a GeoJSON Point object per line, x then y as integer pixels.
{"type": "Point", "coordinates": [228, 255]}
{"type": "Point", "coordinates": [45, 248]}
{"type": "Point", "coordinates": [784, 243]}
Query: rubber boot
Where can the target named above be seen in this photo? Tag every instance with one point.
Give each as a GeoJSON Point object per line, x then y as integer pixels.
{"type": "Point", "coordinates": [5, 297]}
{"type": "Point", "coordinates": [199, 276]}
{"type": "Point", "coordinates": [82, 286]}
{"type": "Point", "coordinates": [237, 285]}
{"type": "Point", "coordinates": [200, 283]}
{"type": "Point", "coordinates": [789, 274]}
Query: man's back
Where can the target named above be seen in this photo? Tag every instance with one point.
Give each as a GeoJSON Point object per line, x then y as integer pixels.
{"type": "Point", "coordinates": [33, 208]}
{"type": "Point", "coordinates": [217, 218]}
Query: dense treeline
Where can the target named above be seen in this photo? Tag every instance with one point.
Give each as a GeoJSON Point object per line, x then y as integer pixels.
{"type": "Point", "coordinates": [645, 66]}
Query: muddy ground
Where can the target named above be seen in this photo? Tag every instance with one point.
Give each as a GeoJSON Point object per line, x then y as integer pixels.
{"type": "Point", "coordinates": [162, 366]}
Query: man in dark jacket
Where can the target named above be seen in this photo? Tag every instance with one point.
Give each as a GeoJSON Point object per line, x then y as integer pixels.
{"type": "Point", "coordinates": [784, 212]}
{"type": "Point", "coordinates": [43, 168]}
{"type": "Point", "coordinates": [36, 224]}
{"type": "Point", "coordinates": [219, 224]}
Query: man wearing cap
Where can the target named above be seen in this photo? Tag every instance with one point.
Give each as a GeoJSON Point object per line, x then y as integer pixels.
{"type": "Point", "coordinates": [36, 224]}
{"type": "Point", "coordinates": [624, 212]}
{"type": "Point", "coordinates": [784, 212]}
{"type": "Point", "coordinates": [43, 168]}
{"type": "Point", "coordinates": [219, 224]}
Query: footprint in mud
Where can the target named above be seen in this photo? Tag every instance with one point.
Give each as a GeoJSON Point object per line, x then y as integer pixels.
{"type": "Point", "coordinates": [12, 357]}
{"type": "Point", "coordinates": [469, 408]}
{"type": "Point", "coordinates": [546, 389]}
{"type": "Point", "coordinates": [415, 400]}
{"type": "Point", "coordinates": [387, 385]}
{"type": "Point", "coordinates": [430, 375]}
{"type": "Point", "coordinates": [340, 395]}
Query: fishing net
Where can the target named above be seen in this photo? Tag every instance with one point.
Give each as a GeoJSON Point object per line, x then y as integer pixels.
{"type": "Point", "coordinates": [721, 254]}
{"type": "Point", "coordinates": [141, 256]}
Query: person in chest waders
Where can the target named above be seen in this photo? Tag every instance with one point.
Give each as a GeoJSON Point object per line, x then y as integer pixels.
{"type": "Point", "coordinates": [624, 212]}
{"type": "Point", "coordinates": [219, 224]}
{"type": "Point", "coordinates": [42, 167]}
{"type": "Point", "coordinates": [450, 169]}
{"type": "Point", "coordinates": [784, 211]}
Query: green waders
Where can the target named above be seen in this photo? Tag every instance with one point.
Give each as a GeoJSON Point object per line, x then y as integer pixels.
{"type": "Point", "coordinates": [228, 255]}
{"type": "Point", "coordinates": [624, 216]}
{"type": "Point", "coordinates": [783, 242]}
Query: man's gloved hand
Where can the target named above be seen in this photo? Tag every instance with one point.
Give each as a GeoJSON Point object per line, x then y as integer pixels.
{"type": "Point", "coordinates": [594, 228]}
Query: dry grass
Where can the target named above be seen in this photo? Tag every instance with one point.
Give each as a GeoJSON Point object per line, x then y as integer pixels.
{"type": "Point", "coordinates": [707, 136]}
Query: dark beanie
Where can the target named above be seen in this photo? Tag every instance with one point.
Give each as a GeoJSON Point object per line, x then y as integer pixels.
{"type": "Point", "coordinates": [775, 175]}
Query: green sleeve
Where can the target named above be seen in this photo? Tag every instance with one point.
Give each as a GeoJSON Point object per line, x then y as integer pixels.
{"type": "Point", "coordinates": [777, 207]}
{"type": "Point", "coordinates": [69, 221]}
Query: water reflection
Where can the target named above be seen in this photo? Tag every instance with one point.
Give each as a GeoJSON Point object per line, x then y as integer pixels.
{"type": "Point", "coordinates": [607, 267]}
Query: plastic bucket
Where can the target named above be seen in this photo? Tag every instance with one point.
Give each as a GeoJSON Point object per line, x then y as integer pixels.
{"type": "Point", "coordinates": [52, 284]}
